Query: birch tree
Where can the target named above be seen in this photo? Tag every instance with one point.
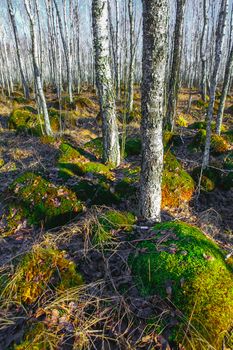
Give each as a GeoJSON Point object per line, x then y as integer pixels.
{"type": "Point", "coordinates": [226, 83]}
{"type": "Point", "coordinates": [174, 80]}
{"type": "Point", "coordinates": [37, 76]}
{"type": "Point", "coordinates": [214, 79]}
{"type": "Point", "coordinates": [67, 54]}
{"type": "Point", "coordinates": [111, 148]}
{"type": "Point", "coordinates": [17, 44]}
{"type": "Point", "coordinates": [203, 52]}
{"type": "Point", "coordinates": [155, 32]}
{"type": "Point", "coordinates": [131, 57]}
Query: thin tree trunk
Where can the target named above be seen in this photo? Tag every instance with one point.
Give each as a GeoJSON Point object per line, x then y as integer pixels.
{"type": "Point", "coordinates": [226, 82]}
{"type": "Point", "coordinates": [13, 22]}
{"type": "Point", "coordinates": [131, 57]}
{"type": "Point", "coordinates": [66, 52]}
{"type": "Point", "coordinates": [111, 148]}
{"type": "Point", "coordinates": [37, 76]}
{"type": "Point", "coordinates": [226, 85]}
{"type": "Point", "coordinates": [203, 52]}
{"type": "Point", "coordinates": [155, 34]}
{"type": "Point", "coordinates": [175, 70]}
{"type": "Point", "coordinates": [214, 79]}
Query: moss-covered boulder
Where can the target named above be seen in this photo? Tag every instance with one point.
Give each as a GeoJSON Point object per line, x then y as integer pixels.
{"type": "Point", "coordinates": [95, 194]}
{"type": "Point", "coordinates": [73, 162]}
{"type": "Point", "coordinates": [202, 125]}
{"type": "Point", "coordinates": [43, 202]}
{"type": "Point", "coordinates": [218, 143]}
{"type": "Point", "coordinates": [177, 184]}
{"type": "Point", "coordinates": [125, 116]}
{"type": "Point", "coordinates": [27, 121]}
{"type": "Point", "coordinates": [106, 225]}
{"type": "Point", "coordinates": [41, 269]}
{"type": "Point", "coordinates": [182, 264]}
{"type": "Point", "coordinates": [95, 146]}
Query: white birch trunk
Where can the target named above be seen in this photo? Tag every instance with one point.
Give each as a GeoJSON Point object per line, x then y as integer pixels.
{"type": "Point", "coordinates": [155, 33]}
{"type": "Point", "coordinates": [111, 152]}
{"type": "Point", "coordinates": [214, 79]}
{"type": "Point", "coordinates": [37, 76]}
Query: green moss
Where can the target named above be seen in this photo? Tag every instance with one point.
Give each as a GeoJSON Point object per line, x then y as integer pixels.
{"type": "Point", "coordinates": [191, 269]}
{"type": "Point", "coordinates": [1, 162]}
{"type": "Point", "coordinates": [133, 116]}
{"type": "Point", "coordinates": [20, 100]}
{"type": "Point", "coordinates": [29, 109]}
{"type": "Point", "coordinates": [177, 184]}
{"type": "Point", "coordinates": [36, 337]}
{"type": "Point", "coordinates": [25, 121]}
{"type": "Point", "coordinates": [95, 146]}
{"type": "Point", "coordinates": [210, 178]}
{"type": "Point", "coordinates": [181, 121]}
{"type": "Point", "coordinates": [39, 270]}
{"type": "Point", "coordinates": [202, 125]}
{"type": "Point", "coordinates": [133, 147]}
{"type": "Point", "coordinates": [229, 136]}
{"type": "Point", "coordinates": [43, 202]}
{"type": "Point", "coordinates": [96, 194]}
{"type": "Point", "coordinates": [71, 162]}
{"type": "Point", "coordinates": [107, 224]}
{"type": "Point", "coordinates": [218, 143]}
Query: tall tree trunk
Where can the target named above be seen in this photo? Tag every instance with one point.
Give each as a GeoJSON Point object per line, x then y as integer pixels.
{"type": "Point", "coordinates": [203, 52]}
{"type": "Point", "coordinates": [131, 57]}
{"type": "Point", "coordinates": [155, 34]}
{"type": "Point", "coordinates": [227, 80]}
{"type": "Point", "coordinates": [214, 79]}
{"type": "Point", "coordinates": [226, 84]}
{"type": "Point", "coordinates": [111, 149]}
{"type": "Point", "coordinates": [66, 52]}
{"type": "Point", "coordinates": [13, 22]}
{"type": "Point", "coordinates": [37, 76]}
{"type": "Point", "coordinates": [174, 80]}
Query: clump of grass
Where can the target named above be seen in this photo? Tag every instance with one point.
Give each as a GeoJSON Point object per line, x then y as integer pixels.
{"type": "Point", "coordinates": [40, 270]}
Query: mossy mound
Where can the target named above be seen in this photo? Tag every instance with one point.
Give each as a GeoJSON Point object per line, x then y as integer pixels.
{"type": "Point", "coordinates": [229, 136]}
{"type": "Point", "coordinates": [210, 178]}
{"type": "Point", "coordinates": [26, 122]}
{"type": "Point", "coordinates": [73, 162]}
{"type": "Point", "coordinates": [29, 109]}
{"type": "Point", "coordinates": [106, 225]}
{"type": "Point", "coordinates": [125, 187]}
{"type": "Point", "coordinates": [177, 184]}
{"type": "Point", "coordinates": [95, 146]}
{"type": "Point", "coordinates": [202, 125]}
{"type": "Point", "coordinates": [43, 202]}
{"type": "Point", "coordinates": [95, 194]}
{"type": "Point", "coordinates": [184, 265]}
{"type": "Point", "coordinates": [218, 143]}
{"type": "Point", "coordinates": [125, 116]}
{"type": "Point", "coordinates": [39, 270]}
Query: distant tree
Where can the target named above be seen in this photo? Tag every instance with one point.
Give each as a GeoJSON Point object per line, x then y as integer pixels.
{"type": "Point", "coordinates": [226, 83]}
{"type": "Point", "coordinates": [37, 76]}
{"type": "Point", "coordinates": [214, 78]}
{"type": "Point", "coordinates": [203, 52]}
{"type": "Point", "coordinates": [155, 33]}
{"type": "Point", "coordinates": [17, 44]}
{"type": "Point", "coordinates": [174, 80]}
{"type": "Point", "coordinates": [131, 57]}
{"type": "Point", "coordinates": [66, 48]}
{"type": "Point", "coordinates": [111, 148]}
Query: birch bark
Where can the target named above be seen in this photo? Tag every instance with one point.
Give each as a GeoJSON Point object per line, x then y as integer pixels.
{"type": "Point", "coordinates": [111, 149]}
{"type": "Point", "coordinates": [155, 45]}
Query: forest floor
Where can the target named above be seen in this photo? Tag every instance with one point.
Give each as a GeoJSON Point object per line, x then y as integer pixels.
{"type": "Point", "coordinates": [121, 313]}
